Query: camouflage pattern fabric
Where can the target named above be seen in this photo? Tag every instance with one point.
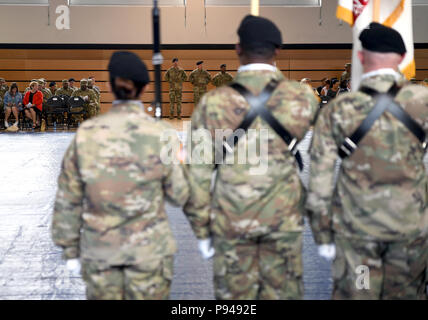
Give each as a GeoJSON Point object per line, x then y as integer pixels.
{"type": "Point", "coordinates": [175, 77]}
{"type": "Point", "coordinates": [243, 205]}
{"type": "Point", "coordinates": [90, 106]}
{"type": "Point", "coordinates": [396, 269]}
{"type": "Point", "coordinates": [129, 282]}
{"type": "Point", "coordinates": [97, 95]}
{"type": "Point", "coordinates": [382, 188]}
{"type": "Point", "coordinates": [222, 78]}
{"type": "Point", "coordinates": [199, 79]}
{"type": "Point", "coordinates": [345, 76]}
{"type": "Point", "coordinates": [64, 92]}
{"type": "Point", "coordinates": [269, 270]}
{"type": "Point", "coordinates": [3, 89]}
{"type": "Point", "coordinates": [381, 191]}
{"type": "Point", "coordinates": [109, 209]}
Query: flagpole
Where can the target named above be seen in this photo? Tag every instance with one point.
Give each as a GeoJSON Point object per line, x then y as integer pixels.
{"type": "Point", "coordinates": [376, 11]}
{"type": "Point", "coordinates": [157, 59]}
{"type": "Point", "coordinates": [255, 7]}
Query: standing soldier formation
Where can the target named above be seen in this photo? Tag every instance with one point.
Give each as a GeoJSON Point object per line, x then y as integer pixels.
{"type": "Point", "coordinates": [109, 214]}
{"type": "Point", "coordinates": [222, 78]}
{"type": "Point", "coordinates": [376, 217]}
{"type": "Point", "coordinates": [175, 76]}
{"type": "Point", "coordinates": [199, 78]}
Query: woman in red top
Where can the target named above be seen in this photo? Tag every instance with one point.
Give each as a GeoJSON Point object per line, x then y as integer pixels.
{"type": "Point", "coordinates": [33, 103]}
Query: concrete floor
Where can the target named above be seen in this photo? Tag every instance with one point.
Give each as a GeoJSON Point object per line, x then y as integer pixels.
{"type": "Point", "coordinates": [31, 266]}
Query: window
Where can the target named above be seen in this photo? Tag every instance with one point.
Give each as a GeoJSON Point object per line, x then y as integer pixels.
{"type": "Point", "coordinates": [178, 3]}
{"type": "Point", "coordinates": [13, 2]}
{"type": "Point", "coordinates": [273, 3]}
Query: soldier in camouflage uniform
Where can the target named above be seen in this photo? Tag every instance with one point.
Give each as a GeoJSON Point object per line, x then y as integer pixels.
{"type": "Point", "coordinates": [65, 90]}
{"type": "Point", "coordinates": [3, 89]}
{"type": "Point", "coordinates": [109, 210]}
{"type": "Point", "coordinates": [222, 78]}
{"type": "Point", "coordinates": [346, 75]}
{"type": "Point", "coordinates": [376, 214]}
{"type": "Point", "coordinates": [97, 95]}
{"type": "Point", "coordinates": [199, 78]}
{"type": "Point", "coordinates": [89, 97]}
{"type": "Point", "coordinates": [175, 76]}
{"type": "Point", "coordinates": [255, 220]}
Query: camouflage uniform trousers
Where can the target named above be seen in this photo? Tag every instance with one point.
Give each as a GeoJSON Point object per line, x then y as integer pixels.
{"type": "Point", "coordinates": [128, 282]}
{"type": "Point", "coordinates": [397, 270]}
{"type": "Point", "coordinates": [262, 269]}
{"type": "Point", "coordinates": [198, 92]}
{"type": "Point", "coordinates": [175, 96]}
{"type": "Point", "coordinates": [91, 111]}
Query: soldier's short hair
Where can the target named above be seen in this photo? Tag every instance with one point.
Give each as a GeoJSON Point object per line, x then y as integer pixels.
{"type": "Point", "coordinates": [174, 60]}
{"type": "Point", "coordinates": [223, 66]}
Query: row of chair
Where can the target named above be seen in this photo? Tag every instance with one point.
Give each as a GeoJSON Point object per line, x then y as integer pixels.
{"type": "Point", "coordinates": [57, 107]}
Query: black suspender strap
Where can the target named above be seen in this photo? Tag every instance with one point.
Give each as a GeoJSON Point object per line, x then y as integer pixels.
{"type": "Point", "coordinates": [383, 102]}
{"type": "Point", "coordinates": [257, 108]}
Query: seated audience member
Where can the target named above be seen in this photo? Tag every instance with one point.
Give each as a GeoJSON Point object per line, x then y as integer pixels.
{"type": "Point", "coordinates": [323, 83]}
{"type": "Point", "coordinates": [332, 92]}
{"type": "Point", "coordinates": [325, 89]}
{"type": "Point", "coordinates": [343, 87]}
{"type": "Point", "coordinates": [33, 104]}
{"type": "Point", "coordinates": [52, 87]}
{"type": "Point", "coordinates": [12, 104]}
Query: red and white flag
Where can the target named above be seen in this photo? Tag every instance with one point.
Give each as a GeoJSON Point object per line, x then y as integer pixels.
{"type": "Point", "coordinates": [395, 14]}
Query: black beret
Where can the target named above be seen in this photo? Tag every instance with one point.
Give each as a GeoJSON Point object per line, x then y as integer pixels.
{"type": "Point", "coordinates": [53, 83]}
{"type": "Point", "coordinates": [379, 38]}
{"type": "Point", "coordinates": [128, 65]}
{"type": "Point", "coordinates": [223, 66]}
{"type": "Point", "coordinates": [199, 62]}
{"type": "Point", "coordinates": [71, 79]}
{"type": "Point", "coordinates": [259, 31]}
{"type": "Point", "coordinates": [175, 59]}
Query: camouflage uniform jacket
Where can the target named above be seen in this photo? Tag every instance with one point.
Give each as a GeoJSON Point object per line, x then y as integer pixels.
{"type": "Point", "coordinates": [345, 76]}
{"type": "Point", "coordinates": [3, 90]}
{"type": "Point", "coordinates": [88, 92]}
{"type": "Point", "coordinates": [199, 78]}
{"type": "Point", "coordinates": [381, 190]}
{"type": "Point", "coordinates": [221, 79]}
{"type": "Point", "coordinates": [245, 203]}
{"type": "Point", "coordinates": [46, 94]}
{"type": "Point", "coordinates": [109, 207]}
{"type": "Point", "coordinates": [64, 92]}
{"type": "Point", "coordinates": [175, 77]}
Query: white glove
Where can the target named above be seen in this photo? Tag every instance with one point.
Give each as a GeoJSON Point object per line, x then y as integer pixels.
{"type": "Point", "coordinates": [205, 248]}
{"type": "Point", "coordinates": [86, 98]}
{"type": "Point", "coordinates": [29, 105]}
{"type": "Point", "coordinates": [327, 251]}
{"type": "Point", "coordinates": [74, 266]}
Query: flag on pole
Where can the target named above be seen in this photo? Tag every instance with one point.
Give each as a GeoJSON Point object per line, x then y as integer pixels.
{"type": "Point", "coordinates": [395, 14]}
